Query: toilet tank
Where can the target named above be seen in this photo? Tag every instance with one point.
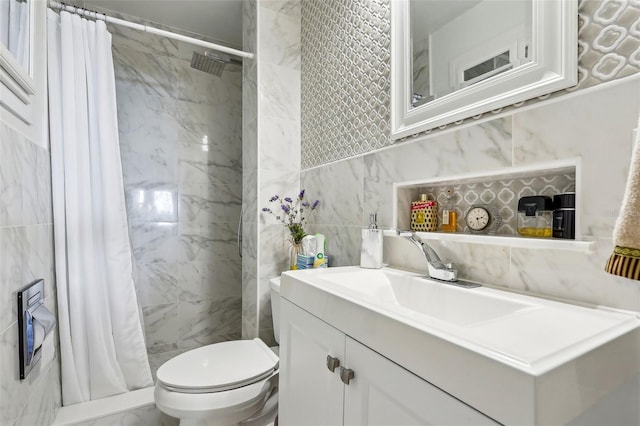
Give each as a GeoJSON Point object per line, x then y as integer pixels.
{"type": "Point", "coordinates": [274, 289]}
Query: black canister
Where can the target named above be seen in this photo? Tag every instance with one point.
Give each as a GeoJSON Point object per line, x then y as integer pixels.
{"type": "Point", "coordinates": [564, 216]}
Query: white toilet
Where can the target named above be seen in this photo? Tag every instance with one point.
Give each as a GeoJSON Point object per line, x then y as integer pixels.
{"type": "Point", "coordinates": [223, 384]}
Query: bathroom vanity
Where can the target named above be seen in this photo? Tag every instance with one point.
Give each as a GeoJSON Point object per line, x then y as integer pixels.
{"type": "Point", "coordinates": [391, 347]}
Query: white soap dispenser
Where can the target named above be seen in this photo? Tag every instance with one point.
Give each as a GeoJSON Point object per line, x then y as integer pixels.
{"type": "Point", "coordinates": [371, 250]}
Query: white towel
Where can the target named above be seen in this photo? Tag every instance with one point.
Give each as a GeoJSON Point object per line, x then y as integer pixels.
{"type": "Point", "coordinates": [625, 260]}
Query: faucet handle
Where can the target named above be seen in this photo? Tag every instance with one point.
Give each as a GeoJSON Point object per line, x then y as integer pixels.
{"type": "Point", "coordinates": [442, 271]}
{"type": "Point", "coordinates": [448, 265]}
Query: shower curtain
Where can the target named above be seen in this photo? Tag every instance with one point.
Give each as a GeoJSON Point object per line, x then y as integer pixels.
{"type": "Point", "coordinates": [101, 337]}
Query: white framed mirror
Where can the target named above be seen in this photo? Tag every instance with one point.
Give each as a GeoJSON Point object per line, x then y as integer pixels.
{"type": "Point", "coordinates": [455, 59]}
{"type": "Point", "coordinates": [16, 54]}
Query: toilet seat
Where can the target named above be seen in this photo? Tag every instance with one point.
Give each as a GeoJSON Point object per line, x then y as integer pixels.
{"type": "Point", "coordinates": [227, 407]}
{"type": "Point", "coordinates": [225, 383]}
{"type": "Point", "coordinates": [220, 367]}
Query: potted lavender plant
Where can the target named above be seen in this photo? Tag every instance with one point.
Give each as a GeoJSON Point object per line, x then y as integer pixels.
{"type": "Point", "coordinates": [292, 213]}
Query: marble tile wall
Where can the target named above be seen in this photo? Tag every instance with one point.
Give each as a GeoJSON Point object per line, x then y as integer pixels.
{"type": "Point", "coordinates": [594, 125]}
{"type": "Point", "coordinates": [181, 147]}
{"type": "Point", "coordinates": [26, 254]}
{"type": "Point", "coordinates": [272, 96]}
{"type": "Point", "coordinates": [278, 138]}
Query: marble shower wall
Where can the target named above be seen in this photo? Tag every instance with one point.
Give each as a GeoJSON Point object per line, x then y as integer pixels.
{"type": "Point", "coordinates": [181, 147]}
{"type": "Point", "coordinates": [26, 254]}
{"type": "Point", "coordinates": [271, 149]}
{"type": "Point", "coordinates": [594, 125]}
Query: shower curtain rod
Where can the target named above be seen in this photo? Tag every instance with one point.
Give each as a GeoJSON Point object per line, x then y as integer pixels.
{"type": "Point", "coordinates": [111, 20]}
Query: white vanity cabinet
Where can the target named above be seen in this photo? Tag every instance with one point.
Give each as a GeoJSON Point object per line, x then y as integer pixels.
{"type": "Point", "coordinates": [381, 392]}
{"type": "Point", "coordinates": [309, 393]}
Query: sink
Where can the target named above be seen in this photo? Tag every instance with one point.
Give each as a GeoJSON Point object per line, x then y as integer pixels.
{"type": "Point", "coordinates": [440, 301]}
{"type": "Point", "coordinates": [527, 332]}
{"type": "Point", "coordinates": [507, 354]}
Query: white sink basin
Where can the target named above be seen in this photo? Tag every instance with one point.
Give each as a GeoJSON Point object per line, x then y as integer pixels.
{"type": "Point", "coordinates": [441, 301]}
{"type": "Point", "coordinates": [506, 354]}
{"type": "Point", "coordinates": [527, 332]}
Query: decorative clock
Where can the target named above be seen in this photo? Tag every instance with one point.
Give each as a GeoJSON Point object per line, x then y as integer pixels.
{"type": "Point", "coordinates": [482, 219]}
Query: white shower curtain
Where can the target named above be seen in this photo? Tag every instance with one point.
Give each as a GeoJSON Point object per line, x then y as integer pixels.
{"type": "Point", "coordinates": [101, 337]}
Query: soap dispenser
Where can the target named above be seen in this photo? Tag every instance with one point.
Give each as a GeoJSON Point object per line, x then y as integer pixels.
{"type": "Point", "coordinates": [371, 250]}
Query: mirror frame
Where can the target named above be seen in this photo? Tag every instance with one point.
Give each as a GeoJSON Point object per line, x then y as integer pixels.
{"type": "Point", "coordinates": [17, 85]}
{"type": "Point", "coordinates": [554, 66]}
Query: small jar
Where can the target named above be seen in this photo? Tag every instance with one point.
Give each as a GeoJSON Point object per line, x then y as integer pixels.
{"type": "Point", "coordinates": [564, 216]}
{"type": "Point", "coordinates": [424, 214]}
{"type": "Point", "coordinates": [535, 216]}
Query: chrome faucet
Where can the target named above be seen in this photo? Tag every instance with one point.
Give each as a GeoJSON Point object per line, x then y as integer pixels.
{"type": "Point", "coordinates": [437, 268]}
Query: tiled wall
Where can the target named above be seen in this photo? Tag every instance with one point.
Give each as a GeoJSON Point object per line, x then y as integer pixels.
{"type": "Point", "coordinates": [26, 254]}
{"type": "Point", "coordinates": [272, 153]}
{"type": "Point", "coordinates": [346, 66]}
{"type": "Point", "coordinates": [592, 122]}
{"type": "Point", "coordinates": [346, 69]}
{"type": "Point", "coordinates": [594, 125]}
{"type": "Point", "coordinates": [181, 147]}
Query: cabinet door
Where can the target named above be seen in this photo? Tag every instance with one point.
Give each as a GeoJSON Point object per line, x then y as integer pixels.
{"type": "Point", "coordinates": [383, 393]}
{"type": "Point", "coordinates": [310, 394]}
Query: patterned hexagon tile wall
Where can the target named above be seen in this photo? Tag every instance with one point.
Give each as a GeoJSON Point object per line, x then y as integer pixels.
{"type": "Point", "coordinates": [346, 64]}
{"type": "Point", "coordinates": [345, 78]}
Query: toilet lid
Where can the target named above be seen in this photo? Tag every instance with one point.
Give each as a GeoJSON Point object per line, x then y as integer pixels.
{"type": "Point", "coordinates": [218, 367]}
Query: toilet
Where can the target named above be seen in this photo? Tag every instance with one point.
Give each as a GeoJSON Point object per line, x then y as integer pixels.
{"type": "Point", "coordinates": [224, 384]}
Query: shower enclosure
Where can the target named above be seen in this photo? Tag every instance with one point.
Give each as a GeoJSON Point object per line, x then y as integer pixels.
{"type": "Point", "coordinates": [180, 138]}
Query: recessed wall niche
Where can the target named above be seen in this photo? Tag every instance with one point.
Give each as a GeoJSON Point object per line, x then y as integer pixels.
{"type": "Point", "coordinates": [500, 189]}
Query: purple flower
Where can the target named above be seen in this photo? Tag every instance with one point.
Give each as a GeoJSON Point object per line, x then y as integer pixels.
{"type": "Point", "coordinates": [292, 213]}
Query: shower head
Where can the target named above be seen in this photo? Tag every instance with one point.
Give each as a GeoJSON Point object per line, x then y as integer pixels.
{"type": "Point", "coordinates": [211, 63]}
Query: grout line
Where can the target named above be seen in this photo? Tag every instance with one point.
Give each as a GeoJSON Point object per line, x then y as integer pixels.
{"type": "Point", "coordinates": [7, 329]}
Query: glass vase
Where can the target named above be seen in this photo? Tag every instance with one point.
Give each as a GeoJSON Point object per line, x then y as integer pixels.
{"type": "Point", "coordinates": [294, 249]}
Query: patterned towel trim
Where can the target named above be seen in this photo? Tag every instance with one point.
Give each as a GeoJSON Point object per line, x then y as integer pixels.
{"type": "Point", "coordinates": [627, 251]}
{"type": "Point", "coordinates": [624, 262]}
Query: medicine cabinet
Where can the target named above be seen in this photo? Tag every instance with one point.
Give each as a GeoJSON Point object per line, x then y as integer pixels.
{"type": "Point", "coordinates": [451, 60]}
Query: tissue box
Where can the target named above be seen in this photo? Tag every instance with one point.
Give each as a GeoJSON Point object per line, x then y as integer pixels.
{"type": "Point", "coordinates": [306, 262]}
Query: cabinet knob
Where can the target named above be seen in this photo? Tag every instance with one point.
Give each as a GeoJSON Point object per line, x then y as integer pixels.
{"type": "Point", "coordinates": [346, 375]}
{"type": "Point", "coordinates": [332, 363]}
